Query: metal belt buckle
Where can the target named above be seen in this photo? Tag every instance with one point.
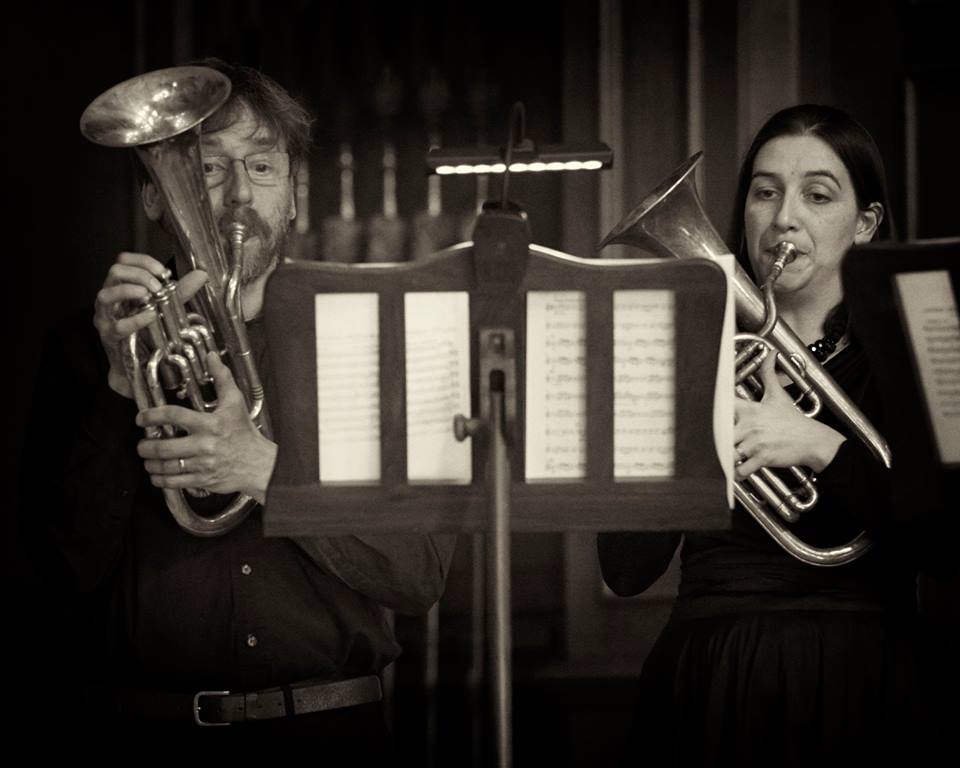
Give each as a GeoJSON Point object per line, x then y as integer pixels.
{"type": "Point", "coordinates": [196, 707]}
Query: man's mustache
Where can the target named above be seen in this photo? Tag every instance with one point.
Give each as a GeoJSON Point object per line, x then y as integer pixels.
{"type": "Point", "coordinates": [250, 219]}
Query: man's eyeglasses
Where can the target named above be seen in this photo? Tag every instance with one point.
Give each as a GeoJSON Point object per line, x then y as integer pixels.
{"type": "Point", "coordinates": [266, 169]}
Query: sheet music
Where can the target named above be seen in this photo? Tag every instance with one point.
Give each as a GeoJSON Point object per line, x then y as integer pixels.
{"type": "Point", "coordinates": [643, 384]}
{"type": "Point", "coordinates": [929, 311]}
{"type": "Point", "coordinates": [556, 386]}
{"type": "Point", "coordinates": [644, 367]}
{"type": "Point", "coordinates": [723, 398]}
{"type": "Point", "coordinates": [348, 386]}
{"type": "Point", "coordinates": [437, 333]}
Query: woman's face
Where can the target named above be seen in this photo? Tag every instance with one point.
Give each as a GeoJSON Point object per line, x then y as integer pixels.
{"type": "Point", "coordinates": [801, 192]}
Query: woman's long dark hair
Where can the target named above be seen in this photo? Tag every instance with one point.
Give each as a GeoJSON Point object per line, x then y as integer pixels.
{"type": "Point", "coordinates": [853, 145]}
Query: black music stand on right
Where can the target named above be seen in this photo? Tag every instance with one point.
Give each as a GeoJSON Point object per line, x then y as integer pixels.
{"type": "Point", "coordinates": [924, 487]}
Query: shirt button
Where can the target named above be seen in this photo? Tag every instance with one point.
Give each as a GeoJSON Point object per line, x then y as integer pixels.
{"type": "Point", "coordinates": [251, 640]}
{"type": "Point", "coordinates": [246, 570]}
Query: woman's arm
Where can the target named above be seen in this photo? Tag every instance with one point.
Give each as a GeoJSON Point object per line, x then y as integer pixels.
{"type": "Point", "coordinates": [631, 562]}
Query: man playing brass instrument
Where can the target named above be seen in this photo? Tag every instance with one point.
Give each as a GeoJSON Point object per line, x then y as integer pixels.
{"type": "Point", "coordinates": [295, 630]}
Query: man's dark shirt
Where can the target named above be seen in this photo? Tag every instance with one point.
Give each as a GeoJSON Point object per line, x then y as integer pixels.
{"type": "Point", "coordinates": [171, 611]}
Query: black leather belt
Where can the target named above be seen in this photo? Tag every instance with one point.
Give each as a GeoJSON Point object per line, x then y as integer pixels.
{"type": "Point", "coordinates": [223, 707]}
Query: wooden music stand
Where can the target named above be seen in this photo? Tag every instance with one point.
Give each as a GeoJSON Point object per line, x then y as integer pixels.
{"type": "Point", "coordinates": [497, 270]}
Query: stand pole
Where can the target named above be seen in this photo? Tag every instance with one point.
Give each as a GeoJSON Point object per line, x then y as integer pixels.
{"type": "Point", "coordinates": [498, 574]}
{"type": "Point", "coordinates": [478, 649]}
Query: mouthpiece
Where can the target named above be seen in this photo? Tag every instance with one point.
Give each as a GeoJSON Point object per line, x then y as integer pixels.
{"type": "Point", "coordinates": [785, 253]}
{"type": "Point", "coordinates": [235, 233]}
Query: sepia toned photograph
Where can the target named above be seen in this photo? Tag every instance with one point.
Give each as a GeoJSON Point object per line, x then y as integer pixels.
{"type": "Point", "coordinates": [428, 383]}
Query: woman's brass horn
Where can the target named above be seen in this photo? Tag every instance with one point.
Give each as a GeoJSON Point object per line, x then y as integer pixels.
{"type": "Point", "coordinates": [158, 114]}
{"type": "Point", "coordinates": [671, 222]}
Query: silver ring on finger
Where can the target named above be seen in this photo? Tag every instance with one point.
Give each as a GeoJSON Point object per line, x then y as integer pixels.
{"type": "Point", "coordinates": [181, 466]}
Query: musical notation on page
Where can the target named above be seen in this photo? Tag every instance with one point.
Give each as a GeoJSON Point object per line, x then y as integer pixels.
{"type": "Point", "coordinates": [929, 311]}
{"type": "Point", "coordinates": [437, 339]}
{"type": "Point", "coordinates": [348, 386]}
{"type": "Point", "coordinates": [643, 383]}
{"type": "Point", "coordinates": [643, 373]}
{"type": "Point", "coordinates": [556, 386]}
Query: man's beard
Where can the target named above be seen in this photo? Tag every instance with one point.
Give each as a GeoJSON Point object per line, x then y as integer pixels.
{"type": "Point", "coordinates": [273, 245]}
{"type": "Point", "coordinates": [270, 252]}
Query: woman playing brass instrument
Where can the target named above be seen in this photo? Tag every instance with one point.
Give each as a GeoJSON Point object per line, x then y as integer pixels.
{"type": "Point", "coordinates": [767, 660]}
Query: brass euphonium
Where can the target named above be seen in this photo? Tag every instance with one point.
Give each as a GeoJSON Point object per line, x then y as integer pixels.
{"type": "Point", "coordinates": [158, 114]}
{"type": "Point", "coordinates": [671, 222]}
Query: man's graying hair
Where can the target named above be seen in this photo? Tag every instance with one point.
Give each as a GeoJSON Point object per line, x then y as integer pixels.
{"type": "Point", "coordinates": [272, 107]}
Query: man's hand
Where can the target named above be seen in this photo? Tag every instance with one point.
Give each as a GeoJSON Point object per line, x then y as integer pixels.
{"type": "Point", "coordinates": [773, 432]}
{"type": "Point", "coordinates": [133, 277]}
{"type": "Point", "coordinates": [223, 450]}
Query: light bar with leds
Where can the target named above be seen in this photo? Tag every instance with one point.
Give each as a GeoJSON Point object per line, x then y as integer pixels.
{"type": "Point", "coordinates": [490, 160]}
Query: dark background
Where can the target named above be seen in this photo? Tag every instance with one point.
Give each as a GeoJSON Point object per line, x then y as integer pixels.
{"type": "Point", "coordinates": [893, 64]}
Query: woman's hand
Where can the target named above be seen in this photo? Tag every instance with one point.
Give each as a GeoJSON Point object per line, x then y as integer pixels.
{"type": "Point", "coordinates": [773, 432]}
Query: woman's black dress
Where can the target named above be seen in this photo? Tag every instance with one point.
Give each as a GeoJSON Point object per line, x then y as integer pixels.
{"type": "Point", "coordinates": [767, 661]}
